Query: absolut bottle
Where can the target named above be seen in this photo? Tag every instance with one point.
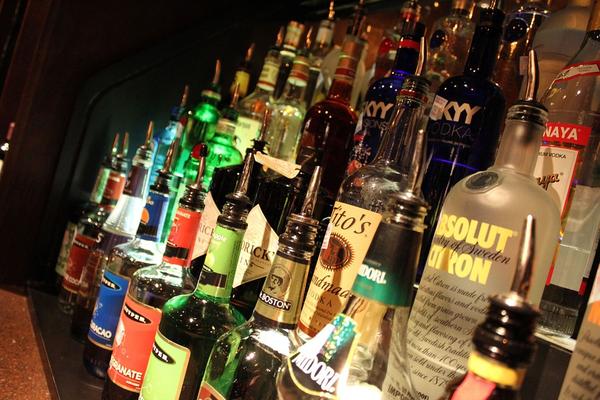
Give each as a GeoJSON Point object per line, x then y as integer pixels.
{"type": "Point", "coordinates": [381, 97]}
{"type": "Point", "coordinates": [244, 362]}
{"type": "Point", "coordinates": [475, 244]}
{"type": "Point", "coordinates": [149, 289]}
{"type": "Point", "coordinates": [465, 120]}
{"type": "Point", "coordinates": [191, 323]}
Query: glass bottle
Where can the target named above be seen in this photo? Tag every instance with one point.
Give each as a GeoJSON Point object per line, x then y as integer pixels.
{"type": "Point", "coordinates": [558, 39]}
{"type": "Point", "coordinates": [244, 362]}
{"type": "Point", "coordinates": [475, 244]}
{"type": "Point", "coordinates": [504, 343]}
{"type": "Point", "coordinates": [293, 34]}
{"type": "Point", "coordinates": [361, 352]}
{"type": "Point", "coordinates": [568, 168]}
{"type": "Point", "coordinates": [221, 148]}
{"type": "Point", "coordinates": [253, 107]}
{"type": "Point", "coordinates": [381, 97]}
{"type": "Point", "coordinates": [119, 227]}
{"type": "Point", "coordinates": [242, 73]}
{"type": "Point", "coordinates": [357, 211]}
{"type": "Point", "coordinates": [191, 323]}
{"type": "Point", "coordinates": [124, 259]}
{"type": "Point", "coordinates": [449, 43]}
{"type": "Point", "coordinates": [173, 131]}
{"type": "Point", "coordinates": [520, 27]}
{"type": "Point", "coordinates": [149, 290]}
{"type": "Point", "coordinates": [288, 114]}
{"type": "Point", "coordinates": [465, 120]}
{"type": "Point", "coordinates": [410, 13]}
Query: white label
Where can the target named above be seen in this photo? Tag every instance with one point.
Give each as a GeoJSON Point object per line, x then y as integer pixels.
{"type": "Point", "coordinates": [246, 130]}
{"type": "Point", "coordinates": [554, 171]}
{"type": "Point", "coordinates": [207, 225]}
{"type": "Point", "coordinates": [437, 108]}
{"type": "Point", "coordinates": [258, 249]}
{"type": "Point", "coordinates": [394, 383]}
{"type": "Point", "coordinates": [324, 35]}
{"type": "Point", "coordinates": [285, 168]}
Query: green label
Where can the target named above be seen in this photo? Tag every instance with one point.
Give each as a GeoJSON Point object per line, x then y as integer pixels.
{"type": "Point", "coordinates": [375, 281]}
{"type": "Point", "coordinates": [221, 259]}
{"type": "Point", "coordinates": [166, 370]}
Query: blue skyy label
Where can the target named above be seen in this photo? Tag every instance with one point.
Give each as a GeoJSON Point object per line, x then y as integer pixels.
{"type": "Point", "coordinates": [153, 216]}
{"type": "Point", "coordinates": [113, 289]}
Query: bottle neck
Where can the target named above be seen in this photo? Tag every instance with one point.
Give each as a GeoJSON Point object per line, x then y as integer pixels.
{"type": "Point", "coordinates": [407, 57]}
{"type": "Point", "coordinates": [486, 43]}
{"type": "Point", "coordinates": [341, 87]}
{"type": "Point", "coordinates": [268, 74]}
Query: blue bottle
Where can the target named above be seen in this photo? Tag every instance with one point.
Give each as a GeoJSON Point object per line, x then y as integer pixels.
{"type": "Point", "coordinates": [465, 121]}
{"type": "Point", "coordinates": [381, 98]}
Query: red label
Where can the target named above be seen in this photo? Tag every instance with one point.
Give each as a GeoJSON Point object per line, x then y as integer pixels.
{"type": "Point", "coordinates": [133, 344]}
{"type": "Point", "coordinates": [113, 190]}
{"type": "Point", "coordinates": [80, 251]}
{"type": "Point", "coordinates": [208, 392]}
{"type": "Point", "coordinates": [411, 44]}
{"type": "Point", "coordinates": [590, 68]}
{"type": "Point", "coordinates": [473, 388]}
{"type": "Point", "coordinates": [567, 133]}
{"type": "Point", "coordinates": [182, 238]}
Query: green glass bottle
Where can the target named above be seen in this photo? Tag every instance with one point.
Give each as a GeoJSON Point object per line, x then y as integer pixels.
{"type": "Point", "coordinates": [192, 323]}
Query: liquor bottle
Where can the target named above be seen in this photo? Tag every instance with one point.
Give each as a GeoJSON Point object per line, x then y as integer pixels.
{"type": "Point", "coordinates": [120, 227]}
{"type": "Point", "coordinates": [242, 74]}
{"type": "Point", "coordinates": [567, 168]}
{"type": "Point", "coordinates": [288, 113]}
{"type": "Point", "coordinates": [475, 243]}
{"type": "Point", "coordinates": [293, 34]}
{"type": "Point", "coordinates": [504, 343]}
{"type": "Point", "coordinates": [465, 120]}
{"type": "Point", "coordinates": [449, 43]}
{"type": "Point", "coordinates": [126, 258]}
{"type": "Point", "coordinates": [169, 134]}
{"type": "Point", "coordinates": [410, 13]}
{"type": "Point", "coordinates": [201, 121]}
{"type": "Point", "coordinates": [357, 210]}
{"type": "Point", "coordinates": [149, 290]}
{"type": "Point", "coordinates": [318, 50]}
{"type": "Point", "coordinates": [191, 323]}
{"type": "Point", "coordinates": [520, 27]}
{"type": "Point", "coordinates": [253, 107]}
{"type": "Point", "coordinates": [558, 39]}
{"type": "Point", "coordinates": [350, 356]}
{"type": "Point", "coordinates": [4, 147]}
{"type": "Point", "coordinates": [381, 97]}
{"type": "Point", "coordinates": [244, 361]}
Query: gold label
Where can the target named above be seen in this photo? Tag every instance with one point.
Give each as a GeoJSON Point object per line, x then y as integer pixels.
{"type": "Point", "coordinates": [285, 168]}
{"type": "Point", "coordinates": [258, 249]}
{"type": "Point", "coordinates": [349, 234]}
{"type": "Point", "coordinates": [281, 295]}
{"type": "Point", "coordinates": [207, 226]}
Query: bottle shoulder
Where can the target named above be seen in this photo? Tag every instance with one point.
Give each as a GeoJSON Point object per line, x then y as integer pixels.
{"type": "Point", "coordinates": [331, 109]}
{"type": "Point", "coordinates": [471, 88]}
{"type": "Point", "coordinates": [386, 88]}
{"type": "Point", "coordinates": [207, 113]}
{"type": "Point", "coordinates": [370, 186]}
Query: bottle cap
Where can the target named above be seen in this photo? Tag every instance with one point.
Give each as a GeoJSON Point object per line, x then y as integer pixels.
{"type": "Point", "coordinates": [293, 34]}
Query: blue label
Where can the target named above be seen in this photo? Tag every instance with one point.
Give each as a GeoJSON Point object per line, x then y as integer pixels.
{"type": "Point", "coordinates": [111, 296]}
{"type": "Point", "coordinates": [153, 216]}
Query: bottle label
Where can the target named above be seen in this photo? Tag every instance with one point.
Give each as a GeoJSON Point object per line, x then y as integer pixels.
{"type": "Point", "coordinates": [268, 75]}
{"type": "Point", "coordinates": [207, 392]}
{"type": "Point", "coordinates": [395, 382]}
{"type": "Point", "coordinates": [80, 251]}
{"type": "Point", "coordinates": [469, 260]}
{"type": "Point", "coordinates": [558, 157]}
{"type": "Point", "coordinates": [380, 282]}
{"type": "Point", "coordinates": [590, 68]}
{"type": "Point", "coordinates": [293, 33]}
{"type": "Point", "coordinates": [318, 366]}
{"type": "Point", "coordinates": [113, 289]}
{"type": "Point", "coordinates": [65, 248]}
{"type": "Point", "coordinates": [182, 238]}
{"type": "Point", "coordinates": [113, 190]}
{"type": "Point", "coordinates": [207, 226]}
{"type": "Point", "coordinates": [221, 259]}
{"type": "Point", "coordinates": [285, 168]}
{"type": "Point", "coordinates": [453, 123]}
{"type": "Point", "coordinates": [324, 35]}
{"type": "Point", "coordinates": [246, 130]}
{"type": "Point", "coordinates": [241, 78]}
{"type": "Point", "coordinates": [258, 249]}
{"type": "Point", "coordinates": [581, 379]}
{"type": "Point", "coordinates": [166, 370]}
{"type": "Point", "coordinates": [281, 296]}
{"type": "Point", "coordinates": [153, 216]}
{"type": "Point", "coordinates": [99, 185]}
{"type": "Point", "coordinates": [133, 342]}
{"type": "Point", "coordinates": [351, 230]}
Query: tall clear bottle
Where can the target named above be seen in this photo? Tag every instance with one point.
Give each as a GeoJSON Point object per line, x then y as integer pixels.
{"type": "Point", "coordinates": [361, 353]}
{"type": "Point", "coordinates": [568, 167]}
{"type": "Point", "coordinates": [293, 34]}
{"type": "Point", "coordinates": [475, 244]}
{"type": "Point", "coordinates": [149, 290]}
{"type": "Point", "coordinates": [191, 323]}
{"type": "Point", "coordinates": [357, 210]}
{"type": "Point", "coordinates": [244, 362]}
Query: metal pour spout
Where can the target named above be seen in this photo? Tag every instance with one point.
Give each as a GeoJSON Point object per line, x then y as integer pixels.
{"type": "Point", "coordinates": [532, 77]}
{"type": "Point", "coordinates": [524, 272]}
{"type": "Point", "coordinates": [308, 206]}
{"type": "Point", "coordinates": [169, 157]}
{"type": "Point", "coordinates": [184, 96]}
{"type": "Point", "coordinates": [202, 153]}
{"type": "Point", "coordinates": [217, 74]}
{"type": "Point", "coordinates": [125, 147]}
{"type": "Point", "coordinates": [422, 60]}
{"type": "Point", "coordinates": [242, 185]}
{"type": "Point", "coordinates": [114, 150]}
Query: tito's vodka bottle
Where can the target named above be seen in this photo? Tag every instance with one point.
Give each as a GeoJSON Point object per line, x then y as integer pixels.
{"type": "Point", "coordinates": [569, 168]}
{"type": "Point", "coordinates": [474, 247]}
